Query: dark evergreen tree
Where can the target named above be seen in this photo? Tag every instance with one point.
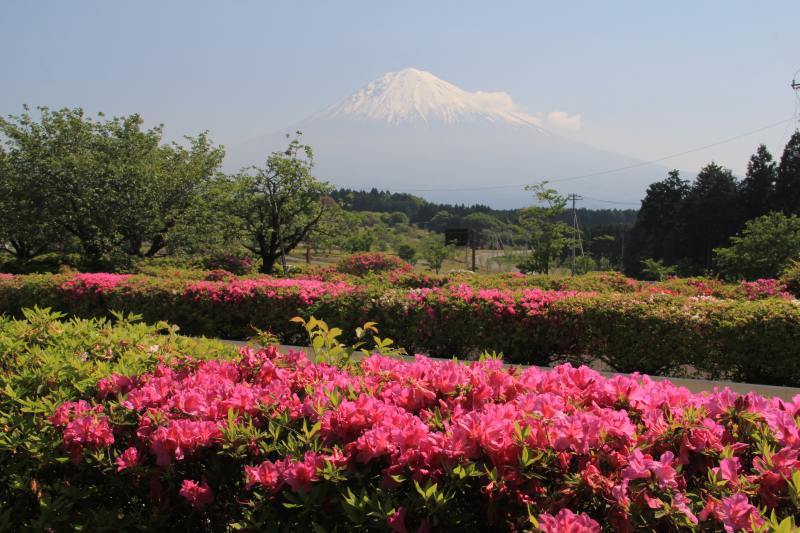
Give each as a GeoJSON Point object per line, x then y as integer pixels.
{"type": "Point", "coordinates": [757, 190]}
{"type": "Point", "coordinates": [787, 186]}
{"type": "Point", "coordinates": [656, 233]}
{"type": "Point", "coordinates": [708, 216]}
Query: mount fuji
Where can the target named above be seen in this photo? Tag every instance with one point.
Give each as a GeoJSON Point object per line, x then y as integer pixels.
{"type": "Point", "coordinates": [410, 131]}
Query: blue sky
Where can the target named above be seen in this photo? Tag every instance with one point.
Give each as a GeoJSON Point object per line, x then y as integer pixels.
{"type": "Point", "coordinates": [648, 78]}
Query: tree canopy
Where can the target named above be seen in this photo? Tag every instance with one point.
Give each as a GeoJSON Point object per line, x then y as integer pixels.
{"type": "Point", "coordinates": [109, 184]}
{"type": "Point", "coordinates": [279, 205]}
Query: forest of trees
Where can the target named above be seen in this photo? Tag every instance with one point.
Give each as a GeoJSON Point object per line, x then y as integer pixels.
{"type": "Point", "coordinates": [681, 223]}
{"type": "Point", "coordinates": [422, 212]}
{"type": "Point", "coordinates": [603, 230]}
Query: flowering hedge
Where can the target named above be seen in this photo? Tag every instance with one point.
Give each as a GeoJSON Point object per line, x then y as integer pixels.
{"type": "Point", "coordinates": [372, 263]}
{"type": "Point", "coordinates": [136, 433]}
{"type": "Point", "coordinates": [653, 331]}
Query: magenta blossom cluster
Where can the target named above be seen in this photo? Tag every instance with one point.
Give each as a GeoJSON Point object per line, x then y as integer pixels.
{"type": "Point", "coordinates": [763, 288]}
{"type": "Point", "coordinates": [572, 447]}
{"type": "Point", "coordinates": [238, 290]}
{"type": "Point", "coordinates": [365, 263]}
{"type": "Point", "coordinates": [84, 426]}
{"type": "Point", "coordinates": [92, 284]}
{"type": "Point", "coordinates": [502, 302]}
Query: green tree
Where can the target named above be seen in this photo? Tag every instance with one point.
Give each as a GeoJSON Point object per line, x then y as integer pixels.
{"type": "Point", "coordinates": [278, 206]}
{"type": "Point", "coordinates": [709, 215]}
{"type": "Point", "coordinates": [787, 185]}
{"type": "Point", "coordinates": [766, 247]}
{"type": "Point", "coordinates": [482, 226]}
{"type": "Point", "coordinates": [757, 189]}
{"type": "Point", "coordinates": [26, 226]}
{"type": "Point", "coordinates": [170, 192]}
{"type": "Point", "coordinates": [407, 253]}
{"type": "Point", "coordinates": [441, 221]}
{"type": "Point", "coordinates": [395, 218]}
{"type": "Point", "coordinates": [655, 269]}
{"type": "Point", "coordinates": [656, 232]}
{"type": "Point", "coordinates": [326, 234]}
{"type": "Point", "coordinates": [548, 236]}
{"type": "Point", "coordinates": [359, 241]}
{"type": "Point", "coordinates": [435, 251]}
{"type": "Point", "coordinates": [107, 182]}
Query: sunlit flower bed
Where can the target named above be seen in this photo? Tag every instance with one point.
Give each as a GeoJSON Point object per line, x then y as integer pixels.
{"type": "Point", "coordinates": [746, 332]}
{"type": "Point", "coordinates": [275, 440]}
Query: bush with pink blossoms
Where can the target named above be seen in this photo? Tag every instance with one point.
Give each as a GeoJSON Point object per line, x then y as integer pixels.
{"type": "Point", "coordinates": [231, 262]}
{"type": "Point", "coordinates": [219, 275]}
{"type": "Point", "coordinates": [764, 288]}
{"type": "Point", "coordinates": [652, 328]}
{"type": "Point", "coordinates": [372, 263]}
{"type": "Point", "coordinates": [172, 438]}
{"type": "Point", "coordinates": [92, 284]}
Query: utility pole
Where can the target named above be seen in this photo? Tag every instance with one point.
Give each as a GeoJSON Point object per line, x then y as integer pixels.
{"type": "Point", "coordinates": [574, 197]}
{"type": "Point", "coordinates": [796, 88]}
{"type": "Point", "coordinates": [473, 243]}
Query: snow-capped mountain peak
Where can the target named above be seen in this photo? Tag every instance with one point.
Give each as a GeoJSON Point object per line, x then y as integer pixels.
{"type": "Point", "coordinates": [413, 96]}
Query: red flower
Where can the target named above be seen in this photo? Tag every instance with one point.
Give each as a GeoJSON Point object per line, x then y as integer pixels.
{"type": "Point", "coordinates": [198, 496]}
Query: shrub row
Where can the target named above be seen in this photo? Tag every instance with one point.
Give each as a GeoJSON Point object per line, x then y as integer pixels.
{"type": "Point", "coordinates": [143, 431]}
{"type": "Point", "coordinates": [751, 341]}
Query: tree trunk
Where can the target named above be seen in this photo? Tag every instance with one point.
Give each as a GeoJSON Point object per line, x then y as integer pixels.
{"type": "Point", "coordinates": [156, 246]}
{"type": "Point", "coordinates": [268, 253]}
{"type": "Point", "coordinates": [268, 260]}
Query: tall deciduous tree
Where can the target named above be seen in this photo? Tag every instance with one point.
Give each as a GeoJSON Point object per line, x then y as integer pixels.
{"type": "Point", "coordinates": [767, 245]}
{"type": "Point", "coordinates": [279, 205]}
{"type": "Point", "coordinates": [26, 226]}
{"type": "Point", "coordinates": [107, 182]}
{"type": "Point", "coordinates": [548, 236]}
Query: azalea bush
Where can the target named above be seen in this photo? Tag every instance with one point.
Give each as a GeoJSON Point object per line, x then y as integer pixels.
{"type": "Point", "coordinates": [372, 263]}
{"type": "Point", "coordinates": [753, 337]}
{"type": "Point", "coordinates": [148, 431]}
{"type": "Point", "coordinates": [231, 262]}
{"type": "Point", "coordinates": [45, 361]}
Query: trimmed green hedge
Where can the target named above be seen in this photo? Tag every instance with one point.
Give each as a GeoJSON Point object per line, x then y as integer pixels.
{"type": "Point", "coordinates": [748, 341]}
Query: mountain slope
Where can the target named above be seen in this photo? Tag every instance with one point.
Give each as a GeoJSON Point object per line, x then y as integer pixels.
{"type": "Point", "coordinates": [411, 131]}
{"type": "Point", "coordinates": [415, 97]}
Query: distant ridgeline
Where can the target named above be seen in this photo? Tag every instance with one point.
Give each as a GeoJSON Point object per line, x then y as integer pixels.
{"type": "Point", "coordinates": [423, 212]}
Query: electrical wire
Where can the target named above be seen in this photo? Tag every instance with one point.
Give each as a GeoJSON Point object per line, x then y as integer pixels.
{"type": "Point", "coordinates": [610, 201]}
{"type": "Point", "coordinates": [609, 171]}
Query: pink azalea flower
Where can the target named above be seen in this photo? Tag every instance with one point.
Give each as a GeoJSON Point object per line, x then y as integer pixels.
{"type": "Point", "coordinates": [567, 522]}
{"type": "Point", "coordinates": [87, 431]}
{"type": "Point", "coordinates": [737, 514]}
{"type": "Point", "coordinates": [128, 459]}
{"type": "Point", "coordinates": [198, 496]}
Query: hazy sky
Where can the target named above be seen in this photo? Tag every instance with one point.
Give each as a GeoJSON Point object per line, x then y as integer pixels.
{"type": "Point", "coordinates": [648, 79]}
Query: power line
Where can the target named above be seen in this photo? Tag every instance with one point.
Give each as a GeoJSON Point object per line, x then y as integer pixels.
{"type": "Point", "coordinates": [610, 201]}
{"type": "Point", "coordinates": [609, 171]}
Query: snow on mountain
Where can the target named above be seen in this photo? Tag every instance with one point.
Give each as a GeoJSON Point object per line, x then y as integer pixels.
{"type": "Point", "coordinates": [410, 131]}
{"type": "Point", "coordinates": [413, 96]}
